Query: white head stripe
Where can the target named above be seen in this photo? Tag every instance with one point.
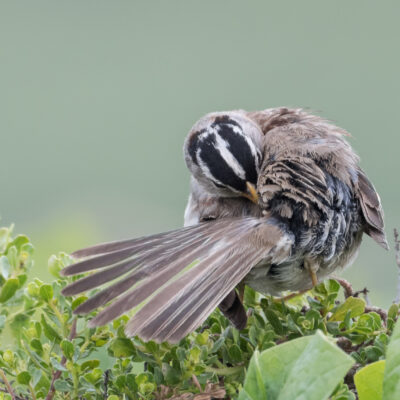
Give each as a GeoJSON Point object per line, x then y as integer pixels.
{"type": "Point", "coordinates": [223, 147]}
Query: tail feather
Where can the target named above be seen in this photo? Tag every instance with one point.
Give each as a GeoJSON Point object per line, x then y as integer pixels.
{"type": "Point", "coordinates": [175, 279]}
{"type": "Point", "coordinates": [105, 248]}
{"type": "Point", "coordinates": [157, 276]}
{"type": "Point", "coordinates": [160, 265]}
{"type": "Point", "coordinates": [187, 311]}
{"type": "Point", "coordinates": [110, 247]}
{"type": "Point", "coordinates": [98, 278]}
{"type": "Point", "coordinates": [99, 261]}
{"type": "Point", "coordinates": [118, 251]}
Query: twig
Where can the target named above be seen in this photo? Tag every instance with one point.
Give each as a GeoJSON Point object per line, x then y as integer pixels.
{"type": "Point", "coordinates": [57, 373]}
{"type": "Point", "coordinates": [349, 378]}
{"type": "Point", "coordinates": [348, 289]}
{"type": "Point", "coordinates": [196, 382]}
{"type": "Point", "coordinates": [347, 345]}
{"type": "Point", "coordinates": [366, 297]}
{"type": "Point", "coordinates": [106, 378]}
{"type": "Point", "coordinates": [364, 292]}
{"type": "Point", "coordinates": [16, 397]}
{"type": "Point", "coordinates": [378, 310]}
{"type": "Point", "coordinates": [397, 251]}
{"type": "Point", "coordinates": [8, 386]}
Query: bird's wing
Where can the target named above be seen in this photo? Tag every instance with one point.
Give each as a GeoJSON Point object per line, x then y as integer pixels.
{"type": "Point", "coordinates": [175, 279]}
{"type": "Point", "coordinates": [372, 210]}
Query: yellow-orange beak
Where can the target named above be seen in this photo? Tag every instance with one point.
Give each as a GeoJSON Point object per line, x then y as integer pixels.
{"type": "Point", "coordinates": [251, 193]}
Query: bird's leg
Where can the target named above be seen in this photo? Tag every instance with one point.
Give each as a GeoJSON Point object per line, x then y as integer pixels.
{"type": "Point", "coordinates": [290, 296]}
{"type": "Point", "coordinates": [312, 267]}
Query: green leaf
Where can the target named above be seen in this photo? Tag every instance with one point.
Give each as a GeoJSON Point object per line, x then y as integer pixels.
{"type": "Point", "coordinates": [274, 321]}
{"type": "Point", "coordinates": [202, 338]}
{"type": "Point", "coordinates": [9, 289]}
{"type": "Point", "coordinates": [12, 255]}
{"type": "Point", "coordinates": [289, 371]}
{"type": "Point", "coordinates": [67, 348]}
{"type": "Point", "coordinates": [94, 375]}
{"type": "Point", "coordinates": [62, 386]}
{"type": "Point", "coordinates": [37, 345]}
{"type": "Point", "coordinates": [50, 332]}
{"type": "Point", "coordinates": [2, 321]}
{"type": "Point", "coordinates": [24, 378]}
{"type": "Point", "coordinates": [57, 365]}
{"type": "Point", "coordinates": [22, 278]}
{"type": "Point", "coordinates": [19, 241]}
{"type": "Point", "coordinates": [20, 321]}
{"type": "Point", "coordinates": [78, 301]}
{"type": "Point", "coordinates": [391, 380]}
{"type": "Point", "coordinates": [5, 267]}
{"type": "Point", "coordinates": [369, 380]}
{"type": "Point", "coordinates": [235, 354]}
{"type": "Point", "coordinates": [122, 347]}
{"type": "Point", "coordinates": [4, 238]}
{"type": "Point", "coordinates": [46, 292]}
{"type": "Point", "coordinates": [354, 305]}
{"type": "Point", "coordinates": [254, 386]}
{"type": "Point", "coordinates": [55, 266]}
{"type": "Point", "coordinates": [89, 365]}
{"type": "Point", "coordinates": [393, 311]}
{"type": "Point", "coordinates": [194, 354]}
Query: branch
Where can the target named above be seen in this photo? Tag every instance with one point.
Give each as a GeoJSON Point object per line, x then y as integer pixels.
{"type": "Point", "coordinates": [16, 397]}
{"type": "Point", "coordinates": [349, 291]}
{"type": "Point", "coordinates": [349, 378]}
{"type": "Point", "coordinates": [57, 373]}
{"type": "Point", "coordinates": [378, 310]}
{"type": "Point", "coordinates": [106, 379]}
{"type": "Point", "coordinates": [346, 285]}
{"type": "Point", "coordinates": [8, 385]}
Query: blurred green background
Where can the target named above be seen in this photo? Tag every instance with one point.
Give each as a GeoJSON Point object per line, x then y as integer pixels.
{"type": "Point", "coordinates": [96, 98]}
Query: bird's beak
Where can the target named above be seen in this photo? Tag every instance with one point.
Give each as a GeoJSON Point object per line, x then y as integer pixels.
{"type": "Point", "coordinates": [251, 193]}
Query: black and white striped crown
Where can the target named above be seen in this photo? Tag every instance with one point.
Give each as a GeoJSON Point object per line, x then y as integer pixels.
{"type": "Point", "coordinates": [225, 154]}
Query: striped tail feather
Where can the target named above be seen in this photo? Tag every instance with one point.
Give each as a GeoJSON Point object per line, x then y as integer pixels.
{"type": "Point", "coordinates": [174, 280]}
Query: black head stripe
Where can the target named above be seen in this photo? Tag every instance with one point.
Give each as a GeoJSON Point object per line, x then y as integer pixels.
{"type": "Point", "coordinates": [224, 119]}
{"type": "Point", "coordinates": [217, 166]}
{"type": "Point", "coordinates": [194, 146]}
{"type": "Point", "coordinates": [240, 149]}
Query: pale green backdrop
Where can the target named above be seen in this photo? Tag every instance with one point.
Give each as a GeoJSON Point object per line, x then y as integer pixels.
{"type": "Point", "coordinates": [96, 98]}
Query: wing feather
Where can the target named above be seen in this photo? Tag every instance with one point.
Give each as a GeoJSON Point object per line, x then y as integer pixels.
{"type": "Point", "coordinates": [190, 309]}
{"type": "Point", "coordinates": [372, 210]}
{"type": "Point", "coordinates": [176, 279]}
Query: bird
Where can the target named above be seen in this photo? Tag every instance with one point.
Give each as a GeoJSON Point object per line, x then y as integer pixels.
{"type": "Point", "coordinates": [278, 202]}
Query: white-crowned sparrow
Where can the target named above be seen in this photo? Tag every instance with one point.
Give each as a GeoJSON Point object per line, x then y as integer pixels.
{"type": "Point", "coordinates": [277, 202]}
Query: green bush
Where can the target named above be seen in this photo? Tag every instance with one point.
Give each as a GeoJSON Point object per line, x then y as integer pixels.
{"type": "Point", "coordinates": [311, 347]}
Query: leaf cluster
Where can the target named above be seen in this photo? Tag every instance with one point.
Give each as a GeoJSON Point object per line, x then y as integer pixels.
{"type": "Point", "coordinates": [53, 354]}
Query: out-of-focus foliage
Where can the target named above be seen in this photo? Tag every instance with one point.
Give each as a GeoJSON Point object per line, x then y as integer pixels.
{"type": "Point", "coordinates": [54, 355]}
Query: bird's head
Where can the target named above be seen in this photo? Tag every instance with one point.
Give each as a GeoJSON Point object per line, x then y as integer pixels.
{"type": "Point", "coordinates": [223, 153]}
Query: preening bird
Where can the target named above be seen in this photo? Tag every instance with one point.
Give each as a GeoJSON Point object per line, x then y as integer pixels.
{"type": "Point", "coordinates": [277, 202]}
